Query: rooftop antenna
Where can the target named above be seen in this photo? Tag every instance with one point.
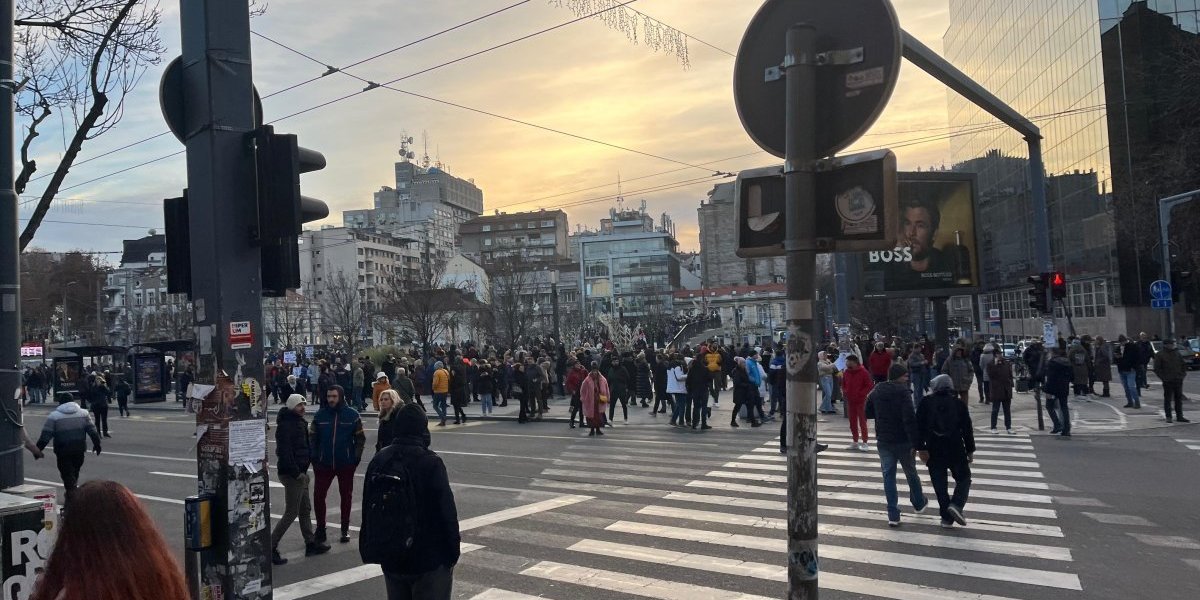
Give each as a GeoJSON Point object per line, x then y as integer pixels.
{"type": "Point", "coordinates": [620, 196]}
{"type": "Point", "coordinates": [425, 156]}
{"type": "Point", "coordinates": [406, 142]}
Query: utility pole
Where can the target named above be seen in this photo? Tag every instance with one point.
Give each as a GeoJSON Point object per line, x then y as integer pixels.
{"type": "Point", "coordinates": [12, 465]}
{"type": "Point", "coordinates": [1165, 206]}
{"type": "Point", "coordinates": [799, 171]}
{"type": "Point", "coordinates": [226, 284]}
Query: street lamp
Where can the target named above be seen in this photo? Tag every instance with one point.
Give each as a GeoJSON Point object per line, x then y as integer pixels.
{"type": "Point", "coordinates": [65, 318]}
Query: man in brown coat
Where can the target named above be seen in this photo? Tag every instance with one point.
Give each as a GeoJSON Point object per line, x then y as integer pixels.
{"type": "Point", "coordinates": [1000, 390]}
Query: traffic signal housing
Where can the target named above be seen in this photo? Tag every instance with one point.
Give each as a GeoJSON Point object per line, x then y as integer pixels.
{"type": "Point", "coordinates": [1058, 285]}
{"type": "Point", "coordinates": [1039, 298]}
{"type": "Point", "coordinates": [282, 210]}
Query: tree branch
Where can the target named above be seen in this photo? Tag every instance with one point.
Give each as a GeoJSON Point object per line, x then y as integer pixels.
{"type": "Point", "coordinates": [28, 166]}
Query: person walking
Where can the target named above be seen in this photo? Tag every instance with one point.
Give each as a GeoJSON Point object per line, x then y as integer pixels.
{"type": "Point", "coordinates": [1000, 390]}
{"type": "Point", "coordinates": [745, 393]}
{"type": "Point", "coordinates": [407, 496]}
{"type": "Point", "coordinates": [292, 448]}
{"type": "Point", "coordinates": [99, 399]}
{"type": "Point", "coordinates": [1034, 357]}
{"type": "Point", "coordinates": [389, 406]}
{"type": "Point", "coordinates": [574, 384]}
{"type": "Point", "coordinates": [896, 437]}
{"type": "Point", "coordinates": [485, 388]}
{"type": "Point", "coordinates": [856, 384]}
{"type": "Point", "coordinates": [618, 381]}
{"type": "Point", "coordinates": [104, 519]}
{"type": "Point", "coordinates": [405, 388]}
{"type": "Point", "coordinates": [69, 427]}
{"type": "Point", "coordinates": [440, 387]}
{"type": "Point", "coordinates": [712, 360]}
{"type": "Point", "coordinates": [382, 382]}
{"type": "Point", "coordinates": [645, 383]}
{"type": "Point", "coordinates": [1145, 355]}
{"type": "Point", "coordinates": [338, 441]}
{"type": "Point", "coordinates": [594, 394]}
{"type": "Point", "coordinates": [825, 374]}
{"type": "Point", "coordinates": [1168, 366]}
{"type": "Point", "coordinates": [918, 368]}
{"type": "Point", "coordinates": [960, 371]}
{"type": "Point", "coordinates": [460, 389]}
{"type": "Point", "coordinates": [1128, 360]}
{"type": "Point", "coordinates": [1059, 376]}
{"type": "Point", "coordinates": [698, 384]}
{"type": "Point", "coordinates": [946, 443]}
{"type": "Point", "coordinates": [122, 391]}
{"type": "Point", "coordinates": [677, 387]}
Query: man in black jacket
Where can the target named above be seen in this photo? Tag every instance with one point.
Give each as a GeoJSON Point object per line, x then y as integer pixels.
{"type": "Point", "coordinates": [1128, 361]}
{"type": "Point", "coordinates": [426, 569]}
{"type": "Point", "coordinates": [896, 436]}
{"type": "Point", "coordinates": [291, 446]}
{"type": "Point", "coordinates": [946, 442]}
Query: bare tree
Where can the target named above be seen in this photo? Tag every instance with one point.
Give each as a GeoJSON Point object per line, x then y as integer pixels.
{"type": "Point", "coordinates": [174, 320]}
{"type": "Point", "coordinates": [286, 318]}
{"type": "Point", "coordinates": [420, 311]}
{"type": "Point", "coordinates": [343, 311]}
{"type": "Point", "coordinates": [514, 314]}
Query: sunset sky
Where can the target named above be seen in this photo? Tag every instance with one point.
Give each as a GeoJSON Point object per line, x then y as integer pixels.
{"type": "Point", "coordinates": [585, 79]}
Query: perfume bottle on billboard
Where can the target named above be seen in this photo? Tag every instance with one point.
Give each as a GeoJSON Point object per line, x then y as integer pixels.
{"type": "Point", "coordinates": [961, 256]}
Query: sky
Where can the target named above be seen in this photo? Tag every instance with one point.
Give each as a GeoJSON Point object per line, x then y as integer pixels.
{"type": "Point", "coordinates": [585, 79]}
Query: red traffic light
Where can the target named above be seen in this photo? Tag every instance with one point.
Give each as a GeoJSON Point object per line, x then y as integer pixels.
{"type": "Point", "coordinates": [1058, 285]}
{"type": "Point", "coordinates": [1058, 279]}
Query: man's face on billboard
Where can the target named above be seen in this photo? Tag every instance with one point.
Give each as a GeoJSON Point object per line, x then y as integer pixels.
{"type": "Point", "coordinates": [917, 230]}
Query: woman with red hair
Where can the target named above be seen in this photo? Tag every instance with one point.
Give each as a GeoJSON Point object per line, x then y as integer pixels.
{"type": "Point", "coordinates": [85, 536]}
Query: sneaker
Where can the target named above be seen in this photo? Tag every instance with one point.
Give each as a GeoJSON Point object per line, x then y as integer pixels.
{"type": "Point", "coordinates": [345, 539]}
{"type": "Point", "coordinates": [994, 431]}
{"type": "Point", "coordinates": [276, 558]}
{"type": "Point", "coordinates": [864, 447]}
{"type": "Point", "coordinates": [822, 447]}
{"type": "Point", "coordinates": [852, 446]}
{"type": "Point", "coordinates": [1181, 420]}
{"type": "Point", "coordinates": [947, 524]}
{"type": "Point", "coordinates": [956, 514]}
{"type": "Point", "coordinates": [315, 548]}
{"type": "Point", "coordinates": [922, 508]}
{"type": "Point", "coordinates": [1011, 432]}
{"type": "Point", "coordinates": [1055, 431]}
{"type": "Point", "coordinates": [1170, 420]}
{"type": "Point", "coordinates": [892, 523]}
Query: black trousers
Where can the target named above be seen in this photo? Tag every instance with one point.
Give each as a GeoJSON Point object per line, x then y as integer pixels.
{"type": "Point", "coordinates": [960, 469]}
{"type": "Point", "coordinates": [699, 409]}
{"type": "Point", "coordinates": [623, 397]}
{"type": "Point", "coordinates": [69, 464]}
{"type": "Point", "coordinates": [1173, 394]}
{"type": "Point", "coordinates": [433, 585]}
{"type": "Point", "coordinates": [123, 406]}
{"type": "Point", "coordinates": [1007, 405]}
{"type": "Point", "coordinates": [101, 411]}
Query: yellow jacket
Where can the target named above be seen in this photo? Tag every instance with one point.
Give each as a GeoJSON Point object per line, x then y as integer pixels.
{"type": "Point", "coordinates": [441, 381]}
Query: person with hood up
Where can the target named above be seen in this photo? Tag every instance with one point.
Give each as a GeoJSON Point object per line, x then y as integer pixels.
{"type": "Point", "coordinates": [338, 441]}
{"type": "Point", "coordinates": [440, 388]}
{"type": "Point", "coordinates": [946, 442]}
{"type": "Point", "coordinates": [896, 440]}
{"type": "Point", "coordinates": [1059, 376]}
{"type": "Point", "coordinates": [745, 393]}
{"type": "Point", "coordinates": [382, 382]}
{"type": "Point", "coordinates": [424, 570]}
{"type": "Point", "coordinates": [594, 394]}
{"type": "Point", "coordinates": [292, 448]}
{"type": "Point", "coordinates": [958, 368]}
{"type": "Point", "coordinates": [69, 427]}
{"type": "Point", "coordinates": [856, 384]}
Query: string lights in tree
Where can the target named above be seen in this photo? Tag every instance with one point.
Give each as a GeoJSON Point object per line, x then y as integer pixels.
{"type": "Point", "coordinates": [638, 27]}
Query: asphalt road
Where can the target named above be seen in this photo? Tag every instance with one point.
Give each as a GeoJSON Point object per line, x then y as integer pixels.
{"type": "Point", "coordinates": [654, 512]}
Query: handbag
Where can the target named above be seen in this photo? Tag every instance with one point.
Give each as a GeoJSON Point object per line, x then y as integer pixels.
{"type": "Point", "coordinates": [601, 397]}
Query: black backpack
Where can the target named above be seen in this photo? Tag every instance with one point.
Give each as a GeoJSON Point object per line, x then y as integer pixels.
{"type": "Point", "coordinates": [389, 520]}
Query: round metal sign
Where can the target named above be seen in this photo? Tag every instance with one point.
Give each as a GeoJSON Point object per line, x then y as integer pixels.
{"type": "Point", "coordinates": [849, 96]}
{"type": "Point", "coordinates": [172, 100]}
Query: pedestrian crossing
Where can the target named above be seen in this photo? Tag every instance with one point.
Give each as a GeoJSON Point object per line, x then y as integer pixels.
{"type": "Point", "coordinates": [1190, 444]}
{"type": "Point", "coordinates": [676, 524]}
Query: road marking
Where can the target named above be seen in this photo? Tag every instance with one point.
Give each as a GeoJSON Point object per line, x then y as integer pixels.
{"type": "Point", "coordinates": [830, 581]}
{"type": "Point", "coordinates": [498, 594]}
{"type": "Point", "coordinates": [1110, 519]}
{"type": "Point", "coordinates": [860, 555]}
{"type": "Point", "coordinates": [141, 496]}
{"type": "Point", "coordinates": [877, 485]}
{"type": "Point", "coordinates": [875, 465]}
{"type": "Point", "coordinates": [274, 484]}
{"type": "Point", "coordinates": [573, 437]}
{"type": "Point", "coordinates": [1006, 440]}
{"type": "Point", "coordinates": [333, 581]}
{"type": "Point", "coordinates": [875, 474]}
{"type": "Point", "coordinates": [603, 475]}
{"type": "Point", "coordinates": [127, 455]}
{"type": "Point", "coordinates": [630, 584]}
{"type": "Point", "coordinates": [855, 454]}
{"type": "Point", "coordinates": [1166, 541]}
{"type": "Point", "coordinates": [981, 444]}
{"type": "Point", "coordinates": [885, 535]}
{"type": "Point", "coordinates": [520, 511]}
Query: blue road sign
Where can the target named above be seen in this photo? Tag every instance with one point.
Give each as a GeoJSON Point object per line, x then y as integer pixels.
{"type": "Point", "coordinates": [1160, 290]}
{"type": "Point", "coordinates": [1162, 304]}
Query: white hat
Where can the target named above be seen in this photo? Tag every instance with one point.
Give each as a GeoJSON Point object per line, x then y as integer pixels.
{"type": "Point", "coordinates": [295, 400]}
{"type": "Point", "coordinates": [380, 375]}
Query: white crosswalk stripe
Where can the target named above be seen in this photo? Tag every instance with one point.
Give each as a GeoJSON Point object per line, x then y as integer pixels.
{"type": "Point", "coordinates": [669, 524]}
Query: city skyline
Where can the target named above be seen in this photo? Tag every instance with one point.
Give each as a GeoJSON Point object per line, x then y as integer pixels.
{"type": "Point", "coordinates": [629, 96]}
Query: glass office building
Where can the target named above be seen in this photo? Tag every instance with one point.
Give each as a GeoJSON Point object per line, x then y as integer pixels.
{"type": "Point", "coordinates": [1046, 60]}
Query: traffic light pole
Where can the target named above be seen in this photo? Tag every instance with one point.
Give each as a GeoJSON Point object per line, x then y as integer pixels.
{"type": "Point", "coordinates": [226, 283]}
{"type": "Point", "coordinates": [12, 465]}
{"type": "Point", "coordinates": [800, 163]}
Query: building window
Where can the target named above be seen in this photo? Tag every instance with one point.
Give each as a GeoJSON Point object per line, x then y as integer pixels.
{"type": "Point", "coordinates": [486, 228]}
{"type": "Point", "coordinates": [548, 223]}
{"type": "Point", "coordinates": [487, 242]}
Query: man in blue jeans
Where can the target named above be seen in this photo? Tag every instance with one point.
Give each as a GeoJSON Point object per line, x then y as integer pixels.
{"type": "Point", "coordinates": [1128, 359]}
{"type": "Point", "coordinates": [896, 436]}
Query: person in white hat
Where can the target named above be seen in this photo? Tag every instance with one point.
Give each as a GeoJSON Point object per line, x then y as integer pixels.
{"type": "Point", "coordinates": [292, 448]}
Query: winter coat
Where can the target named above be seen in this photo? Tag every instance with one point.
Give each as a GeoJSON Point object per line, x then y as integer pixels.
{"type": "Point", "coordinates": [878, 363]}
{"type": "Point", "coordinates": [1168, 366]}
{"type": "Point", "coordinates": [1102, 363]}
{"type": "Point", "coordinates": [337, 437]}
{"type": "Point", "coordinates": [712, 361]}
{"type": "Point", "coordinates": [378, 388]}
{"type": "Point", "coordinates": [1000, 375]}
{"type": "Point", "coordinates": [944, 428]}
{"type": "Point", "coordinates": [856, 384]}
{"type": "Point", "coordinates": [916, 361]}
{"type": "Point", "coordinates": [677, 380]}
{"type": "Point", "coordinates": [459, 386]}
{"type": "Point", "coordinates": [659, 370]}
{"type": "Point", "coordinates": [436, 538]}
{"type": "Point", "coordinates": [386, 433]}
{"type": "Point", "coordinates": [645, 387]}
{"type": "Point", "coordinates": [69, 427]}
{"type": "Point", "coordinates": [1130, 358]}
{"type": "Point", "coordinates": [1033, 363]}
{"type": "Point", "coordinates": [291, 443]}
{"type": "Point", "coordinates": [485, 383]}
{"type": "Point", "coordinates": [357, 378]}
{"type": "Point", "coordinates": [1078, 357]}
{"type": "Point", "coordinates": [618, 378]}
{"type": "Point", "coordinates": [699, 378]}
{"type": "Point", "coordinates": [895, 417]}
{"type": "Point", "coordinates": [1059, 375]}
{"type": "Point", "coordinates": [960, 372]}
{"type": "Point", "coordinates": [404, 386]}
{"type": "Point", "coordinates": [589, 394]}
{"type": "Point", "coordinates": [744, 390]}
{"type": "Point", "coordinates": [441, 381]}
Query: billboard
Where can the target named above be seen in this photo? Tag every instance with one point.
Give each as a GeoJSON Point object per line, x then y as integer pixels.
{"type": "Point", "coordinates": [936, 252]}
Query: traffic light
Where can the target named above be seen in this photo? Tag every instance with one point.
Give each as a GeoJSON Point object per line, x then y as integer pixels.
{"type": "Point", "coordinates": [282, 211]}
{"type": "Point", "coordinates": [179, 245]}
{"type": "Point", "coordinates": [1058, 285]}
{"type": "Point", "coordinates": [1038, 297]}
{"type": "Point", "coordinates": [1180, 282]}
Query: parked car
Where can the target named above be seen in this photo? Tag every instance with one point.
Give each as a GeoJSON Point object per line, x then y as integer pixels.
{"type": "Point", "coordinates": [1191, 353]}
{"type": "Point", "coordinates": [1010, 351]}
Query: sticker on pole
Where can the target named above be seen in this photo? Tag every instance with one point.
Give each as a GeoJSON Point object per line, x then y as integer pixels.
{"type": "Point", "coordinates": [241, 336]}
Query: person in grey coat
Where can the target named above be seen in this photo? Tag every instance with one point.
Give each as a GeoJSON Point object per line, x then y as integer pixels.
{"type": "Point", "coordinates": [69, 427]}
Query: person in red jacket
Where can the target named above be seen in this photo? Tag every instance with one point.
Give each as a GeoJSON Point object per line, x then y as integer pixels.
{"type": "Point", "coordinates": [574, 381]}
{"type": "Point", "coordinates": [879, 362]}
{"type": "Point", "coordinates": [856, 384]}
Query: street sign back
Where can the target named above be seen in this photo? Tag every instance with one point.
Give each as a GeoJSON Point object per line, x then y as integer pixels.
{"type": "Point", "coordinates": [865, 34]}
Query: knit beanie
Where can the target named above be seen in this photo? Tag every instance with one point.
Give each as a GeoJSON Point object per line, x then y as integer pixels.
{"type": "Point", "coordinates": [895, 372]}
{"type": "Point", "coordinates": [295, 400]}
